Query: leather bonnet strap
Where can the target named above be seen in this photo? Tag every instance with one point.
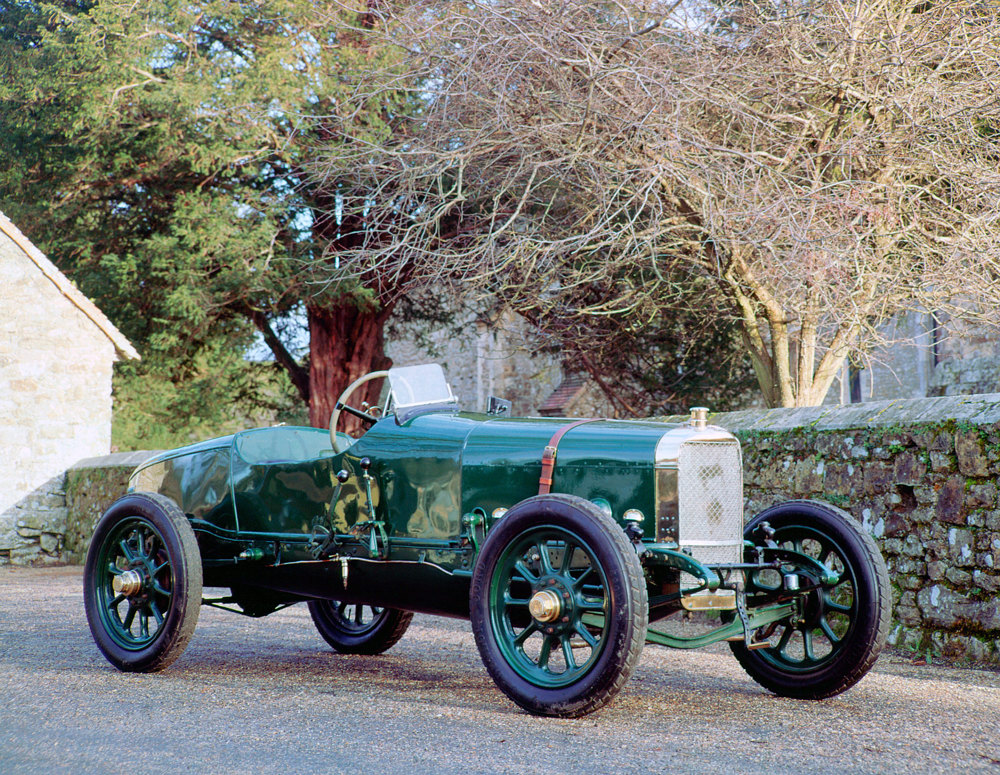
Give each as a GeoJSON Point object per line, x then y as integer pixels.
{"type": "Point", "coordinates": [549, 454]}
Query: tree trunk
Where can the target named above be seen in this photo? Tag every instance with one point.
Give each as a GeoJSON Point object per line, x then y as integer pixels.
{"type": "Point", "coordinates": [345, 342]}
{"type": "Point", "coordinates": [812, 382]}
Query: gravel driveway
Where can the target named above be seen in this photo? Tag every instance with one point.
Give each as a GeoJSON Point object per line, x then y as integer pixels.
{"type": "Point", "coordinates": [268, 696]}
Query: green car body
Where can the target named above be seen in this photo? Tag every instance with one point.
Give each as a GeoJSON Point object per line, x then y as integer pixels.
{"type": "Point", "coordinates": [438, 510]}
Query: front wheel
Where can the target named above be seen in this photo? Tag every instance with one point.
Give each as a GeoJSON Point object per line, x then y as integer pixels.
{"type": "Point", "coordinates": [358, 629]}
{"type": "Point", "coordinates": [558, 606]}
{"type": "Point", "coordinates": [142, 582]}
{"type": "Point", "coordinates": [843, 626]}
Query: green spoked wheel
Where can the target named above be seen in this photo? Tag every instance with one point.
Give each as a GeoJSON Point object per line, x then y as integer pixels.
{"type": "Point", "coordinates": [142, 583]}
{"type": "Point", "coordinates": [358, 629]}
{"type": "Point", "coordinates": [558, 606]}
{"type": "Point", "coordinates": [843, 626]}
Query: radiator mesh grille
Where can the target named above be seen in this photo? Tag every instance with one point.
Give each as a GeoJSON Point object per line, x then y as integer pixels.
{"type": "Point", "coordinates": [710, 499]}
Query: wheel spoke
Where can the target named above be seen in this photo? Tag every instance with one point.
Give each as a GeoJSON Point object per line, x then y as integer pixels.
{"type": "Point", "coordinates": [839, 607]}
{"type": "Point", "coordinates": [584, 633]}
{"type": "Point", "coordinates": [526, 633]}
{"type": "Point", "coordinates": [824, 625]}
{"type": "Point", "coordinates": [832, 640]}
{"type": "Point", "coordinates": [544, 558]}
{"type": "Point", "coordinates": [567, 559]}
{"type": "Point", "coordinates": [130, 616]}
{"type": "Point", "coordinates": [567, 651]}
{"type": "Point", "coordinates": [560, 652]}
{"type": "Point", "coordinates": [140, 544]}
{"type": "Point", "coordinates": [578, 584]}
{"type": "Point", "coordinates": [786, 636]}
{"type": "Point", "coordinates": [136, 549]}
{"type": "Point", "coordinates": [544, 652]}
{"type": "Point", "coordinates": [527, 574]}
{"type": "Point", "coordinates": [755, 582]}
{"type": "Point", "coordinates": [123, 545]}
{"type": "Point", "coordinates": [807, 646]}
{"type": "Point", "coordinates": [359, 613]}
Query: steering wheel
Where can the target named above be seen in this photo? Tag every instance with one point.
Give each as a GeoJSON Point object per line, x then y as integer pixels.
{"type": "Point", "coordinates": [341, 406]}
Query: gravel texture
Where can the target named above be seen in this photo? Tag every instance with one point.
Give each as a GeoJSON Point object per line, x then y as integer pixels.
{"type": "Point", "coordinates": [268, 696]}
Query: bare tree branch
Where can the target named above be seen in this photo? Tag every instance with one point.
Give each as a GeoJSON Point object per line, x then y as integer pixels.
{"type": "Point", "coordinates": [826, 170]}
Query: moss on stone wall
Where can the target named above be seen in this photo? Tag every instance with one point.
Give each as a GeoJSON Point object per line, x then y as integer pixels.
{"type": "Point", "coordinates": [91, 486]}
{"type": "Point", "coordinates": [89, 491]}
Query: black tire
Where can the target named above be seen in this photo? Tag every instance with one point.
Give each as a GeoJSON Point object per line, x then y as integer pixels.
{"type": "Point", "coordinates": [577, 662]}
{"type": "Point", "coordinates": [358, 629]}
{"type": "Point", "coordinates": [147, 629]}
{"type": "Point", "coordinates": [845, 625]}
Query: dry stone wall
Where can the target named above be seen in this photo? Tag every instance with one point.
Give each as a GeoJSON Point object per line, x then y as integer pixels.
{"type": "Point", "coordinates": [55, 522]}
{"type": "Point", "coordinates": [921, 476]}
{"type": "Point", "coordinates": [32, 531]}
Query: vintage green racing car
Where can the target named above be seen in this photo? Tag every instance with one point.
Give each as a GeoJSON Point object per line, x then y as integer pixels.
{"type": "Point", "coordinates": [565, 543]}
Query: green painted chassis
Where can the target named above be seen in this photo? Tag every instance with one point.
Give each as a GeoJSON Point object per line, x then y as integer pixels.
{"type": "Point", "coordinates": [404, 527]}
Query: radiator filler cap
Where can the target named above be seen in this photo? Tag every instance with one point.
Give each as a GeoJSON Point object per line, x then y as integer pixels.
{"type": "Point", "coordinates": [699, 417]}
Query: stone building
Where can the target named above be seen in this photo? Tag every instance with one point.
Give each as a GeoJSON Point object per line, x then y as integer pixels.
{"type": "Point", "coordinates": [57, 350]}
{"type": "Point", "coordinates": [481, 357]}
{"type": "Point", "coordinates": [925, 356]}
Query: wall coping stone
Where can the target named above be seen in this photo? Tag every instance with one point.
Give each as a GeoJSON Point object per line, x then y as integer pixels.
{"type": "Point", "coordinates": [115, 460]}
{"type": "Point", "coordinates": [981, 409]}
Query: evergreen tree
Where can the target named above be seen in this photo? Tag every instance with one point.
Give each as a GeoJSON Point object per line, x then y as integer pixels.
{"type": "Point", "coordinates": [158, 153]}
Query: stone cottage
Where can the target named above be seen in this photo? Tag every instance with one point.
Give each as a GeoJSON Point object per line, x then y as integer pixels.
{"type": "Point", "coordinates": [57, 350]}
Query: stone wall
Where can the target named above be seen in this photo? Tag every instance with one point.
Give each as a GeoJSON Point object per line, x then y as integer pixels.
{"type": "Point", "coordinates": [33, 530]}
{"type": "Point", "coordinates": [91, 486]}
{"type": "Point", "coordinates": [54, 523]}
{"type": "Point", "coordinates": [921, 476]}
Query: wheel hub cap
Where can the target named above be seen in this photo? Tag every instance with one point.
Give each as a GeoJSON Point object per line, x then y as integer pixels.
{"type": "Point", "coordinates": [127, 583]}
{"type": "Point", "coordinates": [545, 606]}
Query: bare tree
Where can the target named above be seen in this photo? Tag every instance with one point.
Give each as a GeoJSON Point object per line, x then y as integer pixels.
{"type": "Point", "coordinates": [825, 164]}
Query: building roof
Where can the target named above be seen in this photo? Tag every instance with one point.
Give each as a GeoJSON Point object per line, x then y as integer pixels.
{"type": "Point", "coordinates": [122, 345]}
{"type": "Point", "coordinates": [559, 402]}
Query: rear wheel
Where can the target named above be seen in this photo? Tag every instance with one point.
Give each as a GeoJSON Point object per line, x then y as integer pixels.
{"type": "Point", "coordinates": [844, 625]}
{"type": "Point", "coordinates": [358, 629]}
{"type": "Point", "coordinates": [558, 606]}
{"type": "Point", "coordinates": [142, 582]}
